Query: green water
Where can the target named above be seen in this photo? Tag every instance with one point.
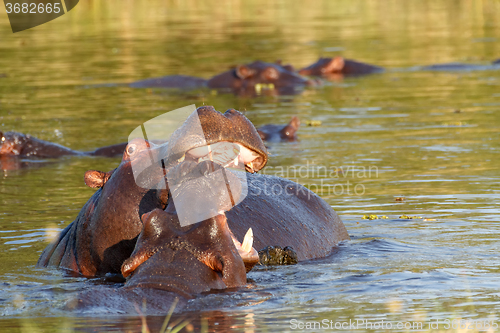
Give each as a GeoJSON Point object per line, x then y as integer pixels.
{"type": "Point", "coordinates": [430, 137]}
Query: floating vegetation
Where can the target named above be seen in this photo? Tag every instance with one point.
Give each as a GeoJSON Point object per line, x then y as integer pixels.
{"type": "Point", "coordinates": [263, 86]}
{"type": "Point", "coordinates": [455, 124]}
{"type": "Point", "coordinates": [406, 217]}
{"type": "Point", "coordinates": [374, 217]}
{"type": "Point", "coordinates": [313, 122]}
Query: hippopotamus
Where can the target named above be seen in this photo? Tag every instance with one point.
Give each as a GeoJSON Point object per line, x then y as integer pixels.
{"type": "Point", "coordinates": [172, 264]}
{"type": "Point", "coordinates": [249, 79]}
{"type": "Point", "coordinates": [105, 231]}
{"type": "Point", "coordinates": [274, 133]}
{"type": "Point", "coordinates": [280, 212]}
{"type": "Point", "coordinates": [338, 67]}
{"type": "Point", "coordinates": [24, 145]}
{"type": "Point", "coordinates": [461, 67]}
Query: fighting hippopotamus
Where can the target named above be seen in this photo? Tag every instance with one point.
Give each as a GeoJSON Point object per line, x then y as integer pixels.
{"type": "Point", "coordinates": [24, 145]}
{"type": "Point", "coordinates": [280, 212]}
{"type": "Point", "coordinates": [274, 133]}
{"type": "Point", "coordinates": [104, 233]}
{"type": "Point", "coordinates": [246, 79]}
{"type": "Point", "coordinates": [337, 67]}
{"type": "Point", "coordinates": [171, 262]}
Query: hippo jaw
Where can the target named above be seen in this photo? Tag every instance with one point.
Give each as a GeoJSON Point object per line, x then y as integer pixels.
{"type": "Point", "coordinates": [193, 140]}
{"type": "Point", "coordinates": [227, 154]}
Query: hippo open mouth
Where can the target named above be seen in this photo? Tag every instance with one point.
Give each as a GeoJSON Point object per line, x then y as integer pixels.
{"type": "Point", "coordinates": [208, 134]}
{"type": "Point", "coordinates": [227, 154]}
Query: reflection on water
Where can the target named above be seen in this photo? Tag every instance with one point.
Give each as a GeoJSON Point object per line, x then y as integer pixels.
{"type": "Point", "coordinates": [429, 137]}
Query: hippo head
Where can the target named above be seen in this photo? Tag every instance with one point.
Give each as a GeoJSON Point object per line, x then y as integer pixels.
{"type": "Point", "coordinates": [289, 132]}
{"type": "Point", "coordinates": [324, 66]}
{"type": "Point", "coordinates": [12, 143]}
{"type": "Point", "coordinates": [186, 260]}
{"type": "Point", "coordinates": [257, 76]}
{"type": "Point", "coordinates": [335, 68]}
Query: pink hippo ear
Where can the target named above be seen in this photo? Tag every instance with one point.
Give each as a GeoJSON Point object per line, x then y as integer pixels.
{"type": "Point", "coordinates": [96, 179]}
{"type": "Point", "coordinates": [295, 122]}
{"type": "Point", "coordinates": [243, 72]}
{"type": "Point", "coordinates": [334, 66]}
{"type": "Point", "coordinates": [270, 74]}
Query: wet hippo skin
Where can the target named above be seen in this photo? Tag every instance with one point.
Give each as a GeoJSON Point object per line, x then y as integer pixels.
{"type": "Point", "coordinates": [171, 262]}
{"type": "Point", "coordinates": [284, 213]}
{"type": "Point", "coordinates": [245, 78]}
{"type": "Point", "coordinates": [240, 80]}
{"type": "Point", "coordinates": [18, 144]}
{"type": "Point", "coordinates": [339, 66]}
{"type": "Point", "coordinates": [274, 133]}
{"type": "Point", "coordinates": [459, 67]}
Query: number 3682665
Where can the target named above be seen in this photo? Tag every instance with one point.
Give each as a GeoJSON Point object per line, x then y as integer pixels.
{"type": "Point", "coordinates": [33, 8]}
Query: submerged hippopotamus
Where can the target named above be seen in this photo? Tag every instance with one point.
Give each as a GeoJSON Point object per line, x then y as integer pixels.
{"type": "Point", "coordinates": [461, 67]}
{"type": "Point", "coordinates": [274, 133]}
{"type": "Point", "coordinates": [246, 79]}
{"type": "Point", "coordinates": [338, 67]}
{"type": "Point", "coordinates": [171, 263]}
{"type": "Point", "coordinates": [280, 212]}
{"type": "Point", "coordinates": [24, 145]}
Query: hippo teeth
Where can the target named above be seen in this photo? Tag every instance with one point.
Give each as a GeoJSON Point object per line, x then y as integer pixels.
{"type": "Point", "coordinates": [246, 246]}
{"type": "Point", "coordinates": [250, 167]}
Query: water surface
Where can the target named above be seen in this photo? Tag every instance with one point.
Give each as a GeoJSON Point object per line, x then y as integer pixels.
{"type": "Point", "coordinates": [431, 138]}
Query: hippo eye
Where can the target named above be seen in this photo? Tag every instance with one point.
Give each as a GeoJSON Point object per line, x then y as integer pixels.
{"type": "Point", "coordinates": [131, 149]}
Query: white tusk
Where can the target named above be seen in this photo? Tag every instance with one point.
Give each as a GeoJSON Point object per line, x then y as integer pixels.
{"type": "Point", "coordinates": [250, 165]}
{"type": "Point", "coordinates": [246, 246]}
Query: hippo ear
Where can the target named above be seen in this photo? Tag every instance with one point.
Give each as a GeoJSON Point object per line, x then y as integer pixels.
{"type": "Point", "coordinates": [295, 122]}
{"type": "Point", "coordinates": [96, 179]}
{"type": "Point", "coordinates": [334, 66]}
{"type": "Point", "coordinates": [288, 67]}
{"type": "Point", "coordinates": [243, 72]}
{"type": "Point", "coordinates": [270, 74]}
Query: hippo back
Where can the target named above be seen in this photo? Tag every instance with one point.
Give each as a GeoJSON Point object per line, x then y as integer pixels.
{"type": "Point", "coordinates": [283, 213]}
